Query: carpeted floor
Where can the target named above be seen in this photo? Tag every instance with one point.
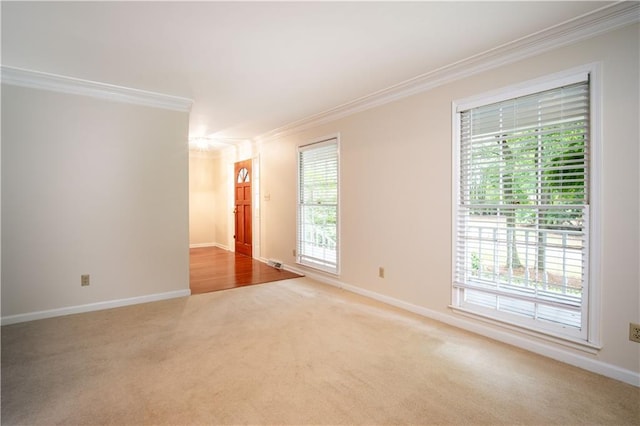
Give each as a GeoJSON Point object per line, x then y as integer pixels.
{"type": "Point", "coordinates": [292, 352]}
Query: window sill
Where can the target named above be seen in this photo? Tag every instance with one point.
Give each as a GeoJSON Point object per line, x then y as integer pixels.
{"type": "Point", "coordinates": [319, 268]}
{"type": "Point", "coordinates": [573, 343]}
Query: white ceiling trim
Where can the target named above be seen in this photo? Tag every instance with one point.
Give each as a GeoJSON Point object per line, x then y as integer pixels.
{"type": "Point", "coordinates": [583, 27]}
{"type": "Point", "coordinates": [76, 86]}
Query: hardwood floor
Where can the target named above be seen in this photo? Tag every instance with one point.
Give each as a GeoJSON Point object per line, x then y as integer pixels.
{"type": "Point", "coordinates": [213, 269]}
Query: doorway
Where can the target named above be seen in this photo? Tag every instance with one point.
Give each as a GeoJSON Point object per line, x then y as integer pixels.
{"type": "Point", "coordinates": [242, 208]}
{"type": "Point", "coordinates": [213, 269]}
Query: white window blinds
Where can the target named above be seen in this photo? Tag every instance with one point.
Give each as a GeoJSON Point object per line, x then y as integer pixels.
{"type": "Point", "coordinates": [522, 214]}
{"type": "Point", "coordinates": [317, 232]}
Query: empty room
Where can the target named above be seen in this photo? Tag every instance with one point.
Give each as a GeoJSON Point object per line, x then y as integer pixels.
{"type": "Point", "coordinates": [430, 213]}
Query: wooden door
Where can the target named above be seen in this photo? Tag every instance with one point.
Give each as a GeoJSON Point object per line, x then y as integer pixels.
{"type": "Point", "coordinates": [242, 209]}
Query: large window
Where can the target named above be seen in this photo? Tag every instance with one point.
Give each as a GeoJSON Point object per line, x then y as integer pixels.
{"type": "Point", "coordinates": [522, 210]}
{"type": "Point", "coordinates": [318, 169]}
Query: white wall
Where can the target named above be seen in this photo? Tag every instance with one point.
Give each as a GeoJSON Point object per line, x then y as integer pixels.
{"type": "Point", "coordinates": [203, 183]}
{"type": "Point", "coordinates": [211, 220]}
{"type": "Point", "coordinates": [90, 187]}
{"type": "Point", "coordinates": [396, 194]}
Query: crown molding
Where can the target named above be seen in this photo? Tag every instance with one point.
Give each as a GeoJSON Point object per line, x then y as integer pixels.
{"type": "Point", "coordinates": [75, 86]}
{"type": "Point", "coordinates": [581, 28]}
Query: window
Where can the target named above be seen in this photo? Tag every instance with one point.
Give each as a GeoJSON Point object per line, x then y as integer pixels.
{"type": "Point", "coordinates": [318, 171]}
{"type": "Point", "coordinates": [522, 208]}
{"type": "Point", "coordinates": [243, 175]}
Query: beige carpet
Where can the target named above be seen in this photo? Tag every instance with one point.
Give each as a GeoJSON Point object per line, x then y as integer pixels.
{"type": "Point", "coordinates": [293, 352]}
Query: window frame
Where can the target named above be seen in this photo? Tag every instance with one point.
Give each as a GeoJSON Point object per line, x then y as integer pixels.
{"type": "Point", "coordinates": [321, 141]}
{"type": "Point", "coordinates": [589, 338]}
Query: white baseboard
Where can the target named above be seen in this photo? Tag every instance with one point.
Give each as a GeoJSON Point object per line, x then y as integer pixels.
{"type": "Point", "coordinates": [540, 348]}
{"type": "Point", "coordinates": [31, 316]}
{"type": "Point", "coordinates": [201, 245]}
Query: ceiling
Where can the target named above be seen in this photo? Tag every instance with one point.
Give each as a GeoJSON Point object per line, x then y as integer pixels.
{"type": "Point", "coordinates": [254, 67]}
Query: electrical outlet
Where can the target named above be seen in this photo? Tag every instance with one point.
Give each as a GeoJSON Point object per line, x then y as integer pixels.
{"type": "Point", "coordinates": [381, 272]}
{"type": "Point", "coordinates": [294, 252]}
{"type": "Point", "coordinates": [84, 280]}
{"type": "Point", "coordinates": [634, 332]}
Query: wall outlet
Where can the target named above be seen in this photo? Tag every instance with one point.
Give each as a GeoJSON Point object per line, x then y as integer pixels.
{"type": "Point", "coordinates": [634, 332]}
{"type": "Point", "coordinates": [381, 272]}
{"type": "Point", "coordinates": [294, 252]}
{"type": "Point", "coordinates": [84, 280]}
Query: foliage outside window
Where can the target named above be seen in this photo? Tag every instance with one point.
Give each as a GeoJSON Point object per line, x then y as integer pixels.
{"type": "Point", "coordinates": [317, 237]}
{"type": "Point", "coordinates": [522, 210]}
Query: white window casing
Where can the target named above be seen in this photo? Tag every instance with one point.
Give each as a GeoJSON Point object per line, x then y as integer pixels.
{"type": "Point", "coordinates": [318, 205]}
{"type": "Point", "coordinates": [526, 187]}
